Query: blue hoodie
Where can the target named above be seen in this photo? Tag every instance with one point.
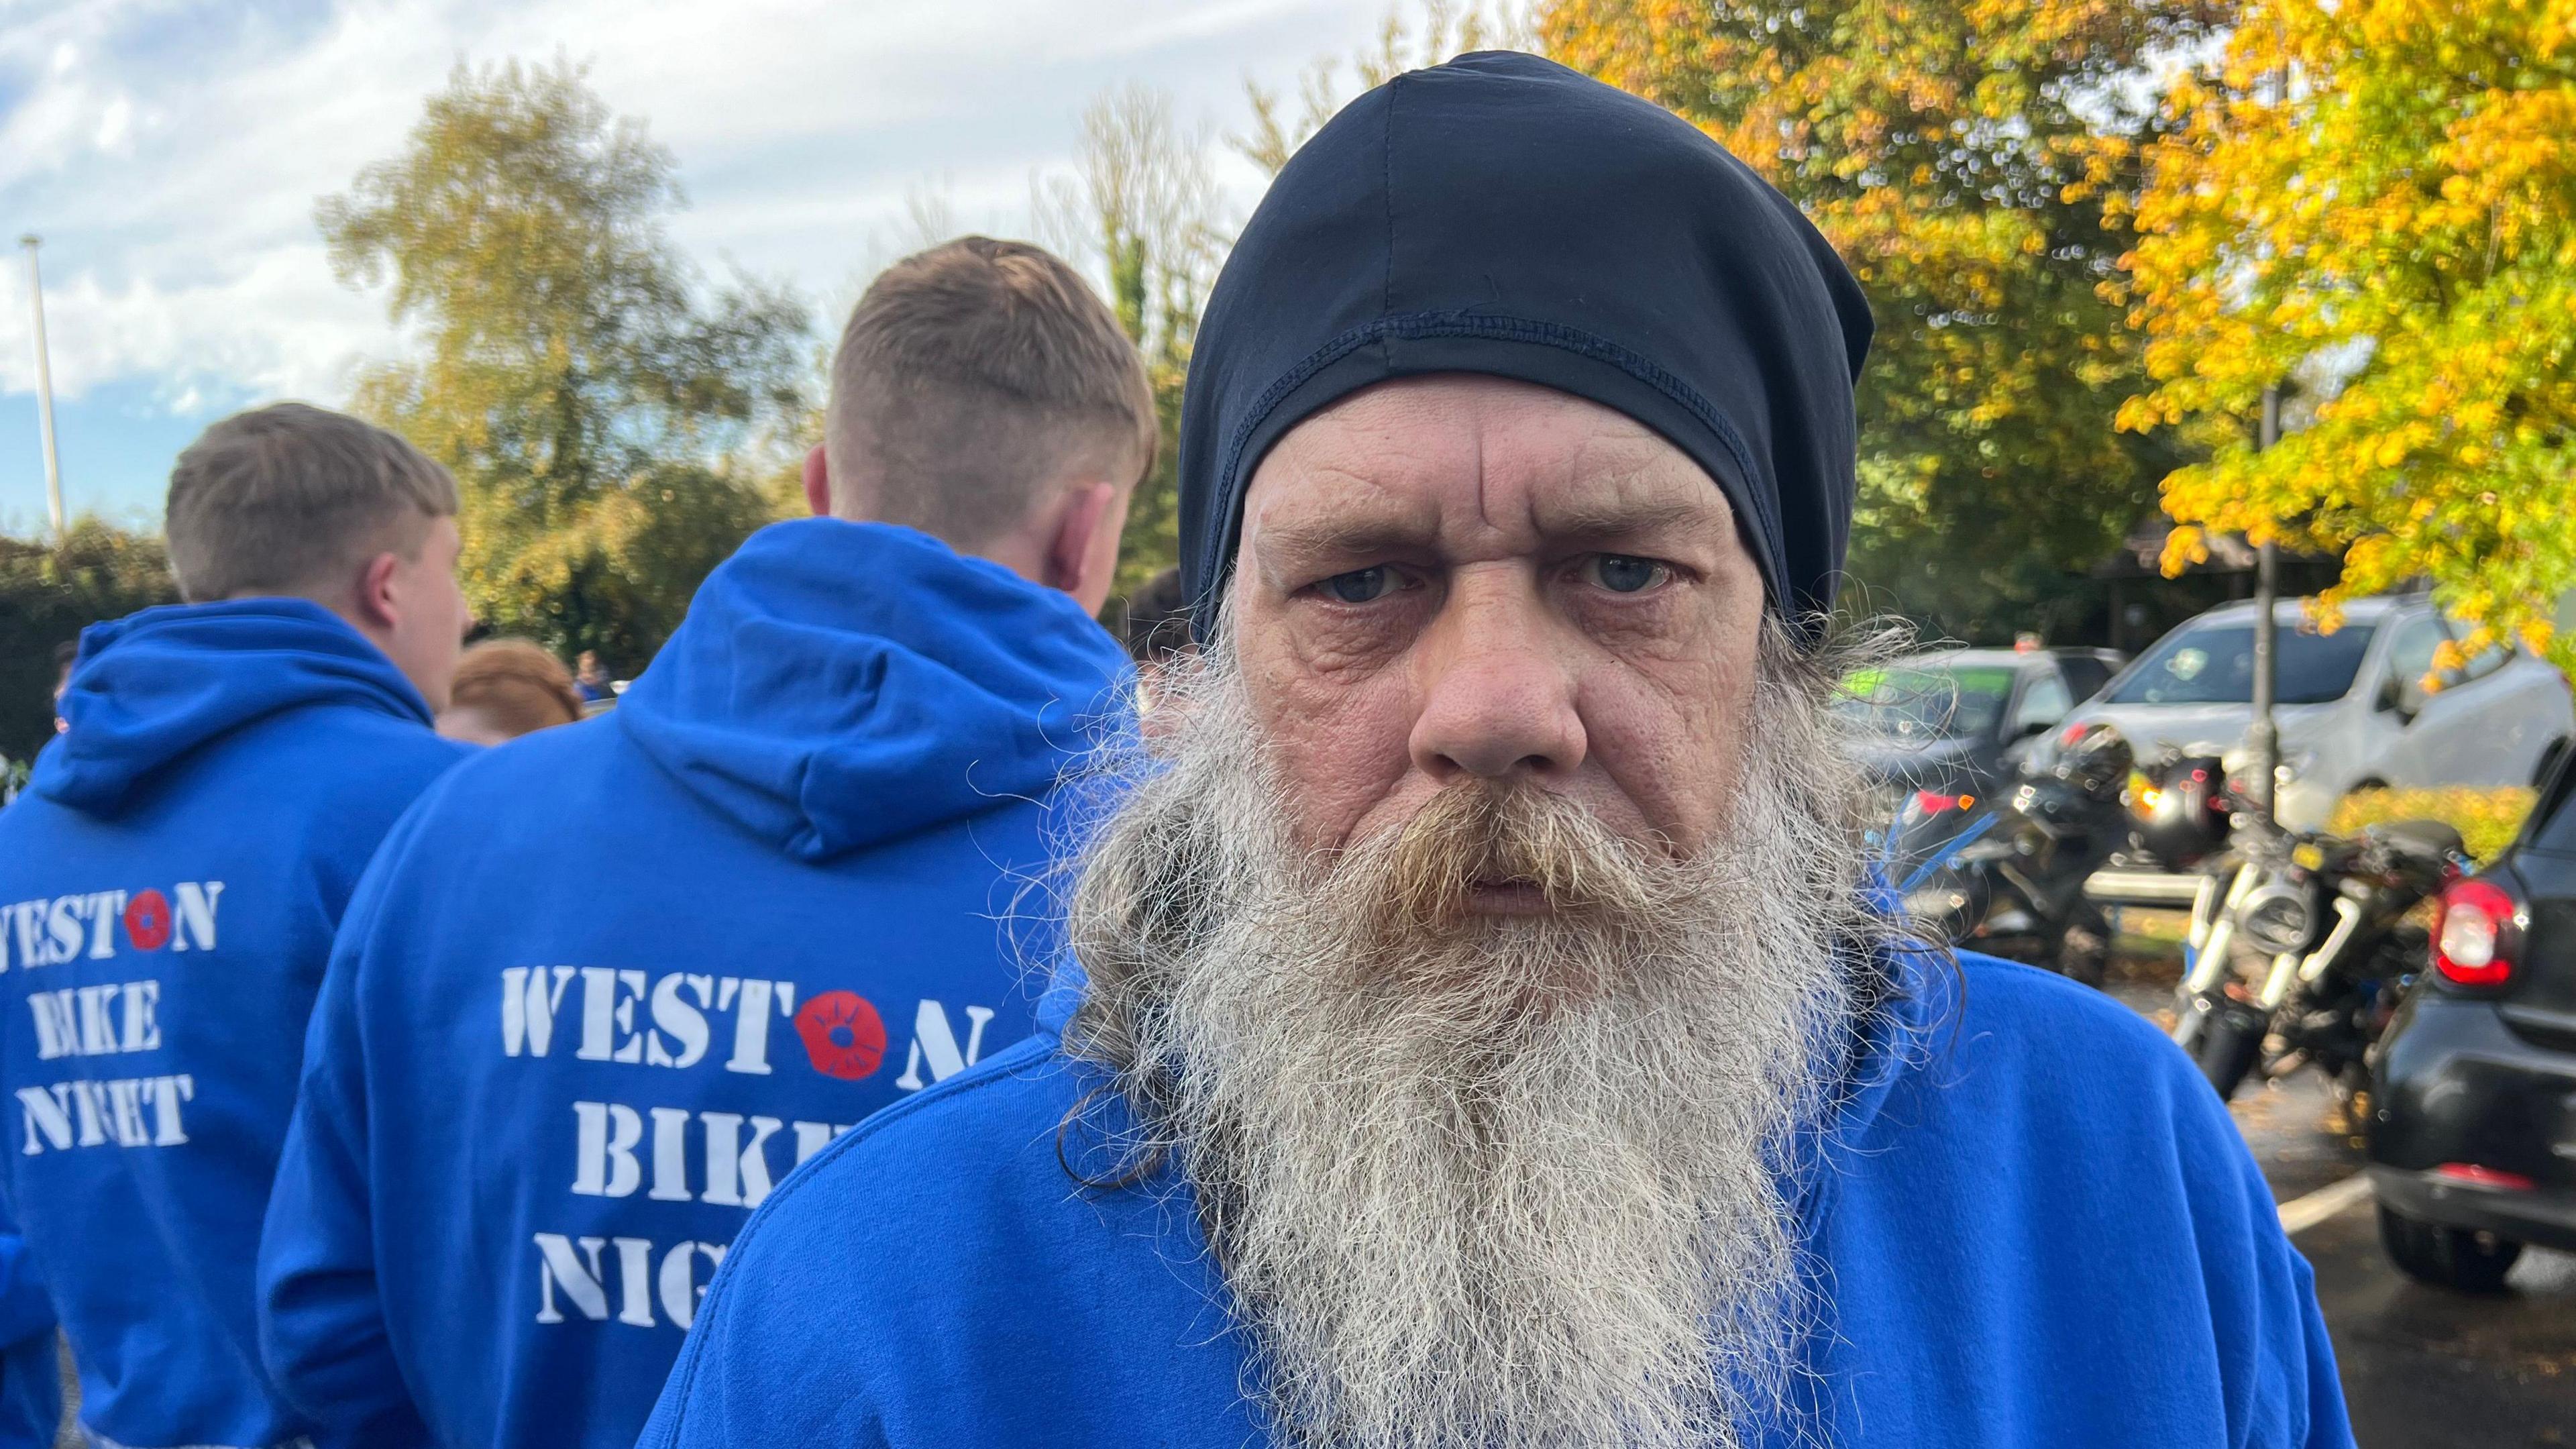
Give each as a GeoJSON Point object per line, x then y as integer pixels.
{"type": "Point", "coordinates": [168, 889]}
{"type": "Point", "coordinates": [2036, 1225]}
{"type": "Point", "coordinates": [610, 984]}
{"type": "Point", "coordinates": [31, 1389]}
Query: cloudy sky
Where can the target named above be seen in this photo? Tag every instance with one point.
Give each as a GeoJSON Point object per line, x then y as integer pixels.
{"type": "Point", "coordinates": [170, 152]}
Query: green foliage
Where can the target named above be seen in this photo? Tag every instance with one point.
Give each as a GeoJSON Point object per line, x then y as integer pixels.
{"type": "Point", "coordinates": [49, 594]}
{"type": "Point", "coordinates": [615, 434]}
{"type": "Point", "coordinates": [2374, 203]}
{"type": "Point", "coordinates": [2486, 819]}
{"type": "Point", "coordinates": [1142, 210]}
{"type": "Point", "coordinates": [1970, 160]}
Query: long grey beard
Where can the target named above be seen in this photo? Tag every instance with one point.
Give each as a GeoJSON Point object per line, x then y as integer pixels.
{"type": "Point", "coordinates": [1477, 1183]}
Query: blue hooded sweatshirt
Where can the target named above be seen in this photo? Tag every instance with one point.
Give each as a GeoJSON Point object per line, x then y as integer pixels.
{"type": "Point", "coordinates": [31, 1388]}
{"type": "Point", "coordinates": [168, 889]}
{"type": "Point", "coordinates": [610, 984]}
{"type": "Point", "coordinates": [2035, 1224]}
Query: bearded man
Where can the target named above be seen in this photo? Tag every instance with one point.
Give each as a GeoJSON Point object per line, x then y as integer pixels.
{"type": "Point", "coordinates": [1482, 1030]}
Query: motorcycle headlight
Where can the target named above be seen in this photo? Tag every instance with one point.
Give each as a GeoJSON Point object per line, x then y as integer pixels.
{"type": "Point", "coordinates": [2280, 916]}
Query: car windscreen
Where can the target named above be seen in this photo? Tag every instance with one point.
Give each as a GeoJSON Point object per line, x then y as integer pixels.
{"type": "Point", "coordinates": [2214, 664]}
{"type": "Point", "coordinates": [1935, 703]}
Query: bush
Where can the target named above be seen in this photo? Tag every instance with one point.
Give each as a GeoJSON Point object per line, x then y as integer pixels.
{"type": "Point", "coordinates": [50, 593]}
{"type": "Point", "coordinates": [2486, 819]}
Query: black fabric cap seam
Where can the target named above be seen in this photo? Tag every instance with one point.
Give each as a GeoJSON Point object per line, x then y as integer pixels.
{"type": "Point", "coordinates": [1386, 193]}
{"type": "Point", "coordinates": [1507, 329]}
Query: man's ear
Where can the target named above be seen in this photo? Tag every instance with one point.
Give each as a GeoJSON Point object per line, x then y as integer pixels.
{"type": "Point", "coordinates": [818, 483]}
{"type": "Point", "coordinates": [380, 601]}
{"type": "Point", "coordinates": [1087, 510]}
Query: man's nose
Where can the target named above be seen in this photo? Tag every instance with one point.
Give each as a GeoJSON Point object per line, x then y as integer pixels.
{"type": "Point", "coordinates": [1498, 698]}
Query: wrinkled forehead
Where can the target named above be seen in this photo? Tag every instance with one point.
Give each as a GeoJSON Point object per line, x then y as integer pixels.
{"type": "Point", "coordinates": [1461, 467]}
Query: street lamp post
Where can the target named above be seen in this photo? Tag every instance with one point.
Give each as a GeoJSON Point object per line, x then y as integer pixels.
{"type": "Point", "coordinates": [2261, 733]}
{"type": "Point", "coordinates": [44, 386]}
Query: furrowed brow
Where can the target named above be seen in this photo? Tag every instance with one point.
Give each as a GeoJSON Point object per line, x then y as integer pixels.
{"type": "Point", "coordinates": [1610, 520]}
{"type": "Point", "coordinates": [1338, 538]}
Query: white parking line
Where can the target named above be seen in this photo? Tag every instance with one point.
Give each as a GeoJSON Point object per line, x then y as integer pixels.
{"type": "Point", "coordinates": [2302, 1213]}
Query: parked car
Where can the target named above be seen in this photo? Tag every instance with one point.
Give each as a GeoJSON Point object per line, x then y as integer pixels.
{"type": "Point", "coordinates": [2352, 707]}
{"type": "Point", "coordinates": [1955, 722]}
{"type": "Point", "coordinates": [2473, 1127]}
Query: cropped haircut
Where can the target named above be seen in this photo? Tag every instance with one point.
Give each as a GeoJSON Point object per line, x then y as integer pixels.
{"type": "Point", "coordinates": [292, 499]}
{"type": "Point", "coordinates": [970, 378]}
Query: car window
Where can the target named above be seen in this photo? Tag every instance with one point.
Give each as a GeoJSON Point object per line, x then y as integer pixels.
{"type": "Point", "coordinates": [2214, 664]}
{"type": "Point", "coordinates": [2487, 662]}
{"type": "Point", "coordinates": [2043, 703]}
{"type": "Point", "coordinates": [1939, 703]}
{"type": "Point", "coordinates": [2557, 830]}
{"type": "Point", "coordinates": [2410, 657]}
{"type": "Point", "coordinates": [2085, 675]}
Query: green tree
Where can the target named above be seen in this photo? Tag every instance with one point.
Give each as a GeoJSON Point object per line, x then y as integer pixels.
{"type": "Point", "coordinates": [49, 593]}
{"type": "Point", "coordinates": [2377, 198]}
{"type": "Point", "coordinates": [1972, 161]}
{"type": "Point", "coordinates": [615, 432]}
{"type": "Point", "coordinates": [1141, 209]}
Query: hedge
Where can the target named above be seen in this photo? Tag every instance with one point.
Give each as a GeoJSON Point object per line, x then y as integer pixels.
{"type": "Point", "coordinates": [2486, 819]}
{"type": "Point", "coordinates": [49, 594]}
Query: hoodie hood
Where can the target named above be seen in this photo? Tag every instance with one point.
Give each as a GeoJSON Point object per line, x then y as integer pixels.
{"type": "Point", "coordinates": [839, 685]}
{"type": "Point", "coordinates": [151, 688]}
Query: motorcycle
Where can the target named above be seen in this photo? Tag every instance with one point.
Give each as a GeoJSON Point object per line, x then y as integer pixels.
{"type": "Point", "coordinates": [2301, 946]}
{"type": "Point", "coordinates": [2008, 879]}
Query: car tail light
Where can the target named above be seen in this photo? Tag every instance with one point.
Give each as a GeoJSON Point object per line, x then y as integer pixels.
{"type": "Point", "coordinates": [2476, 943]}
{"type": "Point", "coordinates": [2476, 1176]}
{"type": "Point", "coordinates": [1933, 802]}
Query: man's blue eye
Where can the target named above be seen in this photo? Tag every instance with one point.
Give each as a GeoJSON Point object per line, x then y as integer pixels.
{"type": "Point", "coordinates": [1621, 574]}
{"type": "Point", "coordinates": [1361, 586]}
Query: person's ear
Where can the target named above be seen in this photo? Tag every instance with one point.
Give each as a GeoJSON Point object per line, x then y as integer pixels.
{"type": "Point", "coordinates": [380, 601]}
{"type": "Point", "coordinates": [818, 483]}
{"type": "Point", "coordinates": [1072, 563]}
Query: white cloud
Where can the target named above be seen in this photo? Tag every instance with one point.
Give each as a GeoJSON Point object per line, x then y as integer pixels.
{"type": "Point", "coordinates": [171, 150]}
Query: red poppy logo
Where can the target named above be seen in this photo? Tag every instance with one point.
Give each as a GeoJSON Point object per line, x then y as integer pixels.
{"type": "Point", "coordinates": [844, 1037]}
{"type": "Point", "coordinates": [147, 920]}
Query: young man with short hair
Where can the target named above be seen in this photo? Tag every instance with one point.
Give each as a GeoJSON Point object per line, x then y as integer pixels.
{"type": "Point", "coordinates": [170, 882]}
{"type": "Point", "coordinates": [611, 983]}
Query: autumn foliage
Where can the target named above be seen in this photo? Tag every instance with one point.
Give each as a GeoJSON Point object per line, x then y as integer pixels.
{"type": "Point", "coordinates": [1972, 160]}
{"type": "Point", "coordinates": [2373, 202]}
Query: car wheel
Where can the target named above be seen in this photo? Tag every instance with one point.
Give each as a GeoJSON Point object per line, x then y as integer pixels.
{"type": "Point", "coordinates": [2446, 1257]}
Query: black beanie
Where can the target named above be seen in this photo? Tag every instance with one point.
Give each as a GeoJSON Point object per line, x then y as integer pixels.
{"type": "Point", "coordinates": [1502, 214]}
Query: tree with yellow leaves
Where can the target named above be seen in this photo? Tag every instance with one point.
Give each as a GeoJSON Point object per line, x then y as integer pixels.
{"type": "Point", "coordinates": [612, 428]}
{"type": "Point", "coordinates": [1972, 160]}
{"type": "Point", "coordinates": [2372, 203]}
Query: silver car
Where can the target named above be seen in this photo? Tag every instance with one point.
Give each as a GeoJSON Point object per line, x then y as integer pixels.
{"type": "Point", "coordinates": [2352, 708]}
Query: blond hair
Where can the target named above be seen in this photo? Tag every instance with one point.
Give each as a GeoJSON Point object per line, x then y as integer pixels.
{"type": "Point", "coordinates": [970, 378]}
{"type": "Point", "coordinates": [290, 499]}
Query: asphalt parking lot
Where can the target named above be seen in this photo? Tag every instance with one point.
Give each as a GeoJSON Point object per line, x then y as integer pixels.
{"type": "Point", "coordinates": [2422, 1368]}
